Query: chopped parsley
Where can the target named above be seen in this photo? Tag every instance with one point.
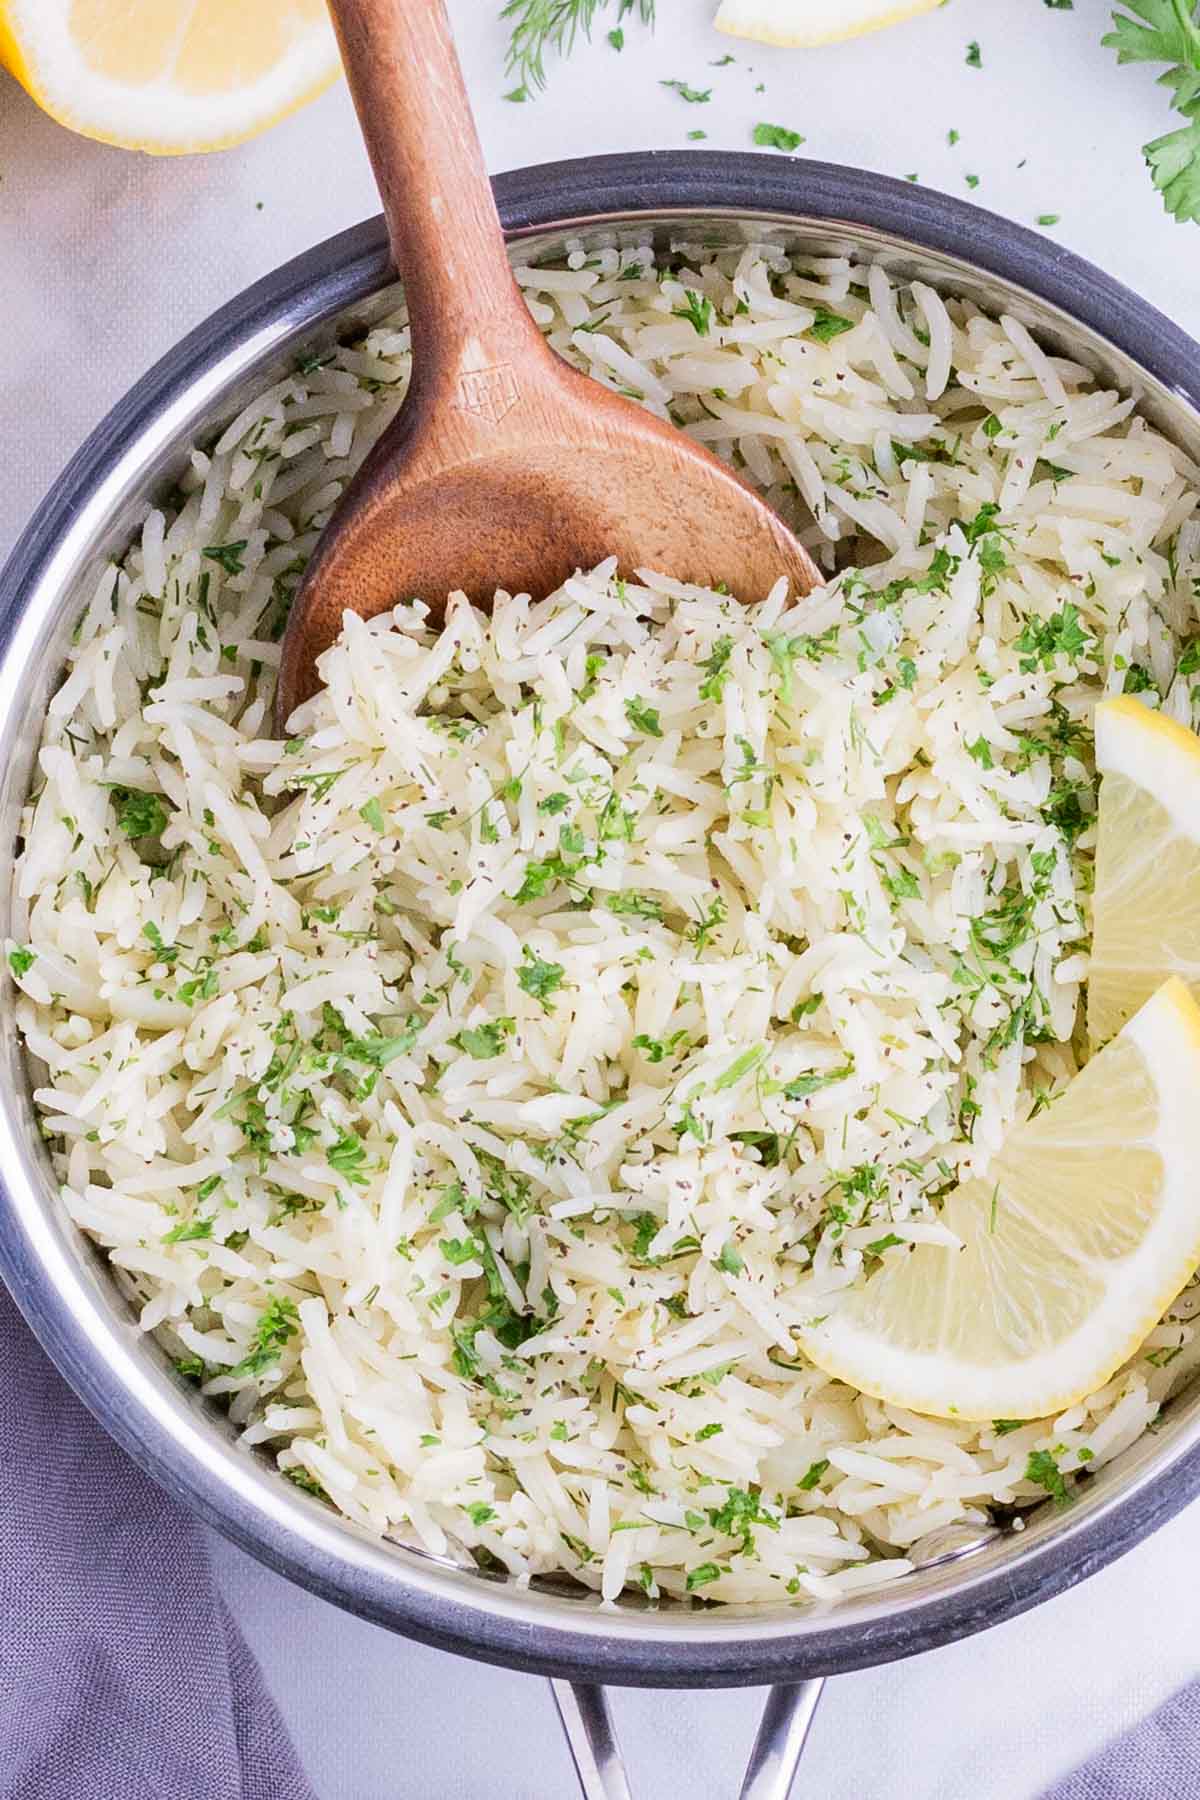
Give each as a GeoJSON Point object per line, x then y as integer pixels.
{"type": "Point", "coordinates": [140, 815]}
{"type": "Point", "coordinates": [777, 137]}
{"type": "Point", "coordinates": [716, 669]}
{"type": "Point", "coordinates": [163, 952]}
{"type": "Point", "coordinates": [229, 556]}
{"type": "Point", "coordinates": [693, 96]}
{"type": "Point", "coordinates": [539, 979]}
{"type": "Point", "coordinates": [804, 1085]}
{"type": "Point", "coordinates": [701, 1576]}
{"type": "Point", "coordinates": [189, 1232]}
{"type": "Point", "coordinates": [484, 1041]}
{"type": "Point", "coordinates": [460, 1250]}
{"type": "Point", "coordinates": [656, 1050]}
{"type": "Point", "coordinates": [641, 906]}
{"type": "Point", "coordinates": [740, 1067]}
{"type": "Point", "coordinates": [712, 915]}
{"type": "Point", "coordinates": [698, 310]}
{"type": "Point", "coordinates": [200, 988]}
{"type": "Point", "coordinates": [828, 324]}
{"type": "Point", "coordinates": [347, 1155]}
{"type": "Point", "coordinates": [1062, 634]}
{"type": "Point", "coordinates": [1043, 1469]}
{"type": "Point", "coordinates": [743, 1509]}
{"type": "Point", "coordinates": [278, 1322]}
{"type": "Point", "coordinates": [643, 717]}
{"type": "Point", "coordinates": [308, 1484]}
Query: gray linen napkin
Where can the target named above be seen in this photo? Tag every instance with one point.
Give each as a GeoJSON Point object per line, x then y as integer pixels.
{"type": "Point", "coordinates": [1158, 1760]}
{"type": "Point", "coordinates": [122, 1674]}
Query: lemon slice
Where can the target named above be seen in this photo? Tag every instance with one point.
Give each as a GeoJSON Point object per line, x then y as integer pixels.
{"type": "Point", "coordinates": [1085, 1230]}
{"type": "Point", "coordinates": [1146, 910]}
{"type": "Point", "coordinates": [807, 23]}
{"type": "Point", "coordinates": [168, 75]}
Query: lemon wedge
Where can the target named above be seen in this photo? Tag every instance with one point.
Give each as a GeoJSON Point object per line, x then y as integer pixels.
{"type": "Point", "coordinates": [1083, 1233]}
{"type": "Point", "coordinates": [168, 76]}
{"type": "Point", "coordinates": [1146, 908]}
{"type": "Point", "coordinates": [807, 23]}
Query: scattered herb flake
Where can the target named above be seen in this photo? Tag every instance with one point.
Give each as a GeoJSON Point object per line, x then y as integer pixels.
{"type": "Point", "coordinates": [701, 1576]}
{"type": "Point", "coordinates": [276, 1324]}
{"type": "Point", "coordinates": [777, 137]}
{"type": "Point", "coordinates": [539, 979]}
{"type": "Point", "coordinates": [828, 324]}
{"type": "Point", "coordinates": [229, 556]}
{"type": "Point", "coordinates": [484, 1041]}
{"type": "Point", "coordinates": [140, 815]}
{"type": "Point", "coordinates": [693, 96]}
{"type": "Point", "coordinates": [643, 717]}
{"type": "Point", "coordinates": [1044, 1470]}
{"type": "Point", "coordinates": [698, 310]}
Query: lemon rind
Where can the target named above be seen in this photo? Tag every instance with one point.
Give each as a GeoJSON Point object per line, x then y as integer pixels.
{"type": "Point", "coordinates": [763, 31]}
{"type": "Point", "coordinates": [1156, 753]}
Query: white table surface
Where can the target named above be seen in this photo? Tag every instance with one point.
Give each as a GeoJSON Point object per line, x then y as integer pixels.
{"type": "Point", "coordinates": [107, 259]}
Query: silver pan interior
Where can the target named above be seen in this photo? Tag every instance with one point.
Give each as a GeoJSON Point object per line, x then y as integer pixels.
{"type": "Point", "coordinates": [64, 1286]}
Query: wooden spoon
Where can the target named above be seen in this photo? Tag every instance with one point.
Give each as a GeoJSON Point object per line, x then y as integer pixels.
{"type": "Point", "coordinates": [505, 467]}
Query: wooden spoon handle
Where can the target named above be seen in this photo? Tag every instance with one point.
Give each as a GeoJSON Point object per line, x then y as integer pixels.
{"type": "Point", "coordinates": [445, 233]}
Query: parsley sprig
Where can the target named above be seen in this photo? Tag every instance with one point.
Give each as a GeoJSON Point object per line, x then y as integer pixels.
{"type": "Point", "coordinates": [1168, 31]}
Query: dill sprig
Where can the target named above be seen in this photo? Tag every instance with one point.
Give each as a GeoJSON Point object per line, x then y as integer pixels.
{"type": "Point", "coordinates": [541, 25]}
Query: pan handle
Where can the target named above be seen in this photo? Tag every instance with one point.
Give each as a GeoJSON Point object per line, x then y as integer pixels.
{"type": "Point", "coordinates": [584, 1710]}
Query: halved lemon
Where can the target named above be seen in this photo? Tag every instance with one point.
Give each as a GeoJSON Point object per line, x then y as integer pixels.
{"type": "Point", "coordinates": [168, 76]}
{"type": "Point", "coordinates": [1086, 1229]}
{"type": "Point", "coordinates": [1146, 909]}
{"type": "Point", "coordinates": [806, 23]}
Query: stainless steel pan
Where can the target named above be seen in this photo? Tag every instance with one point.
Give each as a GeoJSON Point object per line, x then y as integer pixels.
{"type": "Point", "coordinates": [967, 1580]}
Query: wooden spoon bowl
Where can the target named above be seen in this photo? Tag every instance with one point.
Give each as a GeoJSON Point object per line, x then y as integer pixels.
{"type": "Point", "coordinates": [505, 466]}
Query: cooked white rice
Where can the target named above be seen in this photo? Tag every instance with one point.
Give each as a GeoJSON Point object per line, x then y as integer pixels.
{"type": "Point", "coordinates": [477, 1091]}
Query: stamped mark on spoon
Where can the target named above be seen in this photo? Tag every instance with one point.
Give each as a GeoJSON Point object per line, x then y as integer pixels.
{"type": "Point", "coordinates": [488, 393]}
